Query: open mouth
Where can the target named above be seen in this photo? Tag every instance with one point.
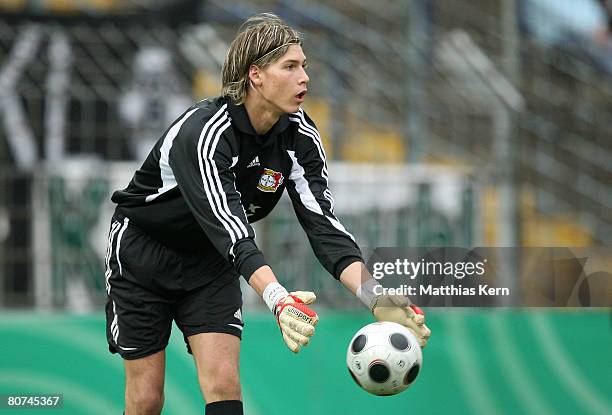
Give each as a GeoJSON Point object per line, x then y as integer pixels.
{"type": "Point", "coordinates": [301, 95]}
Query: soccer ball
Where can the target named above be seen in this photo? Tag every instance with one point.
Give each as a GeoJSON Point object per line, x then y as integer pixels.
{"type": "Point", "coordinates": [384, 358]}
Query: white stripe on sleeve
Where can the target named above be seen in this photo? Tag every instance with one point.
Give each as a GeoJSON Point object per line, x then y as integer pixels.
{"type": "Point", "coordinates": [167, 176]}
{"type": "Point", "coordinates": [207, 144]}
{"type": "Point", "coordinates": [307, 198]}
{"type": "Point", "coordinates": [213, 122]}
{"type": "Point", "coordinates": [310, 131]}
{"type": "Point", "coordinates": [301, 185]}
{"type": "Point", "coordinates": [336, 223]}
{"type": "Point", "coordinates": [242, 231]}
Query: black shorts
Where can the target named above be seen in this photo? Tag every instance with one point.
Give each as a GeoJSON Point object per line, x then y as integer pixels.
{"type": "Point", "coordinates": [146, 287]}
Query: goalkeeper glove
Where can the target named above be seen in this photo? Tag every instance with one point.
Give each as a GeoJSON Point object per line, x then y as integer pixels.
{"type": "Point", "coordinates": [397, 309]}
{"type": "Point", "coordinates": [400, 310]}
{"type": "Point", "coordinates": [296, 321]}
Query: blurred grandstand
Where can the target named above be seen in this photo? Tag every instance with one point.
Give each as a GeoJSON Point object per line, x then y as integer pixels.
{"type": "Point", "coordinates": [447, 123]}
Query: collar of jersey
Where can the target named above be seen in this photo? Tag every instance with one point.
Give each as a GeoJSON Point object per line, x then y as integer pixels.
{"type": "Point", "coordinates": [241, 120]}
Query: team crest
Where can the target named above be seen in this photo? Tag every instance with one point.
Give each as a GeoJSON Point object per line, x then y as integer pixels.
{"type": "Point", "coordinates": [270, 181]}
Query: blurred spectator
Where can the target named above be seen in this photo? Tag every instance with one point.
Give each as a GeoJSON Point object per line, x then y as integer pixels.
{"type": "Point", "coordinates": [153, 99]}
{"type": "Point", "coordinates": [578, 26]}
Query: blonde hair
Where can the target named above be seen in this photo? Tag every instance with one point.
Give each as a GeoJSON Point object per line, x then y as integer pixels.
{"type": "Point", "coordinates": [261, 40]}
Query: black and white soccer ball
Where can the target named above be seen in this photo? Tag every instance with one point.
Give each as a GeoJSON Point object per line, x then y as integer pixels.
{"type": "Point", "coordinates": [384, 358]}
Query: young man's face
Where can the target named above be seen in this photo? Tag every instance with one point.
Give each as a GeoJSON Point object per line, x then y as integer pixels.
{"type": "Point", "coordinates": [284, 82]}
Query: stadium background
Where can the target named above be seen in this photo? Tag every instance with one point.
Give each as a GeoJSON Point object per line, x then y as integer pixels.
{"type": "Point", "coordinates": [447, 123]}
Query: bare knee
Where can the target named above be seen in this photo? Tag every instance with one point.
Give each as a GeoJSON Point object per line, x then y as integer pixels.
{"type": "Point", "coordinates": [144, 401]}
{"type": "Point", "coordinates": [222, 383]}
{"type": "Point", "coordinates": [144, 385]}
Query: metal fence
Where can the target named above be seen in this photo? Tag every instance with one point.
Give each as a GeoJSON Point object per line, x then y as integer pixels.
{"type": "Point", "coordinates": [65, 228]}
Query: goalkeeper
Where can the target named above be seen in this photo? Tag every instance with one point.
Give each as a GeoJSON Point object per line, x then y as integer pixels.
{"type": "Point", "coordinates": [181, 236]}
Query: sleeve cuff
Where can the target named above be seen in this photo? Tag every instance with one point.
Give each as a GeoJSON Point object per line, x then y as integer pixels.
{"type": "Point", "coordinates": [251, 264]}
{"type": "Point", "coordinates": [247, 258]}
{"type": "Point", "coordinates": [343, 263]}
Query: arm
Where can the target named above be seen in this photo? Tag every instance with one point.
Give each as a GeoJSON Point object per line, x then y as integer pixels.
{"type": "Point", "coordinates": [333, 245]}
{"type": "Point", "coordinates": [261, 278]}
{"type": "Point", "coordinates": [308, 188]}
{"type": "Point", "coordinates": [200, 161]}
{"type": "Point", "coordinates": [351, 277]}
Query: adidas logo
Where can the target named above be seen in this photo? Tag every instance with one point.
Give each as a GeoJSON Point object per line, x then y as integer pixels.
{"type": "Point", "coordinates": [238, 314]}
{"type": "Point", "coordinates": [254, 162]}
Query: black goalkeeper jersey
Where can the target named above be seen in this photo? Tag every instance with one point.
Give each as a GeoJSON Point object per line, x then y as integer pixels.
{"type": "Point", "coordinates": [210, 175]}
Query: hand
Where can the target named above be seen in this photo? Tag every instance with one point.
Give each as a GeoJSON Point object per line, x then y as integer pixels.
{"type": "Point", "coordinates": [296, 321]}
{"type": "Point", "coordinates": [399, 310]}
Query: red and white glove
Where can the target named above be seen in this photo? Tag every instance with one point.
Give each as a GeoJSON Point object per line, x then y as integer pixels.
{"type": "Point", "coordinates": [296, 321]}
{"type": "Point", "coordinates": [395, 308]}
